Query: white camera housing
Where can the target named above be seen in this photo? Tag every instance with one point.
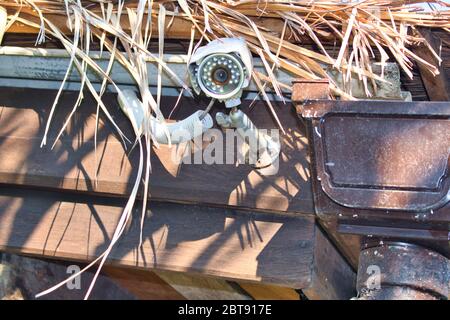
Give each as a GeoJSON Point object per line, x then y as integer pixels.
{"type": "Point", "coordinates": [221, 70]}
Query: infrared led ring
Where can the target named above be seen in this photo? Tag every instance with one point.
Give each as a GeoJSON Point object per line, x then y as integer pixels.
{"type": "Point", "coordinates": [221, 75]}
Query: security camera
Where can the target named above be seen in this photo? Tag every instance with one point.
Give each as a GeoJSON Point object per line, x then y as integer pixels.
{"type": "Point", "coordinates": [221, 70]}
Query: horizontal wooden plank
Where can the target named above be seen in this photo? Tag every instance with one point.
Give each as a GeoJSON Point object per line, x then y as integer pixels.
{"type": "Point", "coordinates": [231, 244]}
{"type": "Point", "coordinates": [195, 287]}
{"type": "Point", "coordinates": [269, 292]}
{"type": "Point", "coordinates": [143, 284]}
{"type": "Point", "coordinates": [333, 278]}
{"type": "Point", "coordinates": [179, 29]}
{"type": "Point", "coordinates": [176, 27]}
{"type": "Point", "coordinates": [23, 277]}
{"type": "Point", "coordinates": [223, 243]}
{"type": "Point", "coordinates": [71, 165]}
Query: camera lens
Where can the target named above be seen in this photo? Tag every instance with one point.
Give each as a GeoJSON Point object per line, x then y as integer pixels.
{"type": "Point", "coordinates": [221, 75]}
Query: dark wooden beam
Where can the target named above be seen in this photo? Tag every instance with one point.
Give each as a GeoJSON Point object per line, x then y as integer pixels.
{"type": "Point", "coordinates": [23, 277]}
{"type": "Point", "coordinates": [176, 28]}
{"type": "Point", "coordinates": [143, 284]}
{"type": "Point", "coordinates": [437, 87]}
{"type": "Point", "coordinates": [196, 287]}
{"type": "Point", "coordinates": [71, 164]}
{"type": "Point", "coordinates": [227, 244]}
{"type": "Point", "coordinates": [269, 292]}
{"type": "Point", "coordinates": [332, 277]}
{"type": "Point", "coordinates": [275, 249]}
{"type": "Point", "coordinates": [230, 244]}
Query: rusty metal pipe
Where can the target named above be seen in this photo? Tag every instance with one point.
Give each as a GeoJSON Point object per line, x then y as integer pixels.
{"type": "Point", "coordinates": [402, 271]}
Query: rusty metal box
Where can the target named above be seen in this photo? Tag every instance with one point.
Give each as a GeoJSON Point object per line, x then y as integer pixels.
{"type": "Point", "coordinates": [381, 167]}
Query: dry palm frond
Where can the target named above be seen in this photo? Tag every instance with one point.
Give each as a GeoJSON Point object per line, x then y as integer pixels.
{"type": "Point", "coordinates": [385, 25]}
{"type": "Point", "coordinates": [362, 28]}
{"type": "Point", "coordinates": [3, 22]}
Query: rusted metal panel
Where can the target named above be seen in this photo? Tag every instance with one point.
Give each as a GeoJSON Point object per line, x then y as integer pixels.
{"type": "Point", "coordinates": [381, 166]}
{"type": "Point", "coordinates": [398, 293]}
{"type": "Point", "coordinates": [382, 169]}
{"type": "Point", "coordinates": [384, 162]}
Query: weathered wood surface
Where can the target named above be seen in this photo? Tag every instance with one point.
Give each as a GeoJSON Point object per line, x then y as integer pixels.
{"type": "Point", "coordinates": [229, 244]}
{"type": "Point", "coordinates": [437, 87]}
{"type": "Point", "coordinates": [217, 242]}
{"type": "Point", "coordinates": [332, 277]}
{"type": "Point", "coordinates": [269, 292]}
{"type": "Point", "coordinates": [179, 28]}
{"type": "Point", "coordinates": [194, 287]}
{"type": "Point", "coordinates": [348, 245]}
{"type": "Point", "coordinates": [71, 164]}
{"type": "Point", "coordinates": [240, 245]}
{"type": "Point", "coordinates": [24, 277]}
{"type": "Point", "coordinates": [143, 284]}
{"type": "Point", "coordinates": [176, 28]}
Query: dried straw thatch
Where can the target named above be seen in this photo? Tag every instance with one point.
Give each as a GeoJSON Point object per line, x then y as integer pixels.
{"type": "Point", "coordinates": [361, 28]}
{"type": "Point", "coordinates": [273, 29]}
